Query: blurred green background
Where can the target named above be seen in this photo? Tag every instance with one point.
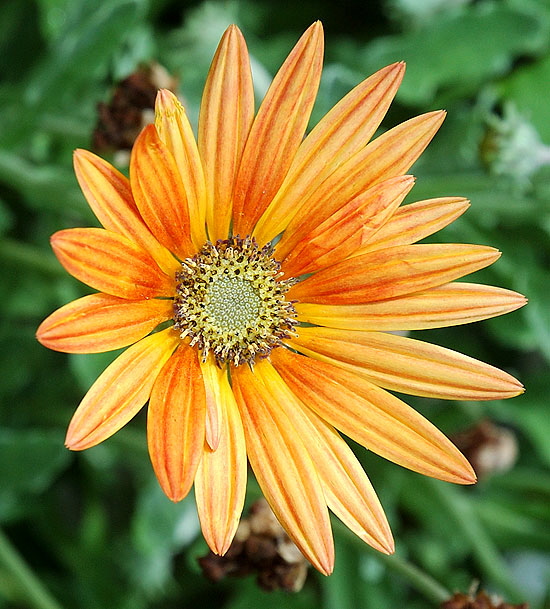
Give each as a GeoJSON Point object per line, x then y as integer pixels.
{"type": "Point", "coordinates": [93, 530]}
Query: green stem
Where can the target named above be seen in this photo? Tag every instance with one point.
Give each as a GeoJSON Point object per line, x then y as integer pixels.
{"type": "Point", "coordinates": [32, 589]}
{"type": "Point", "coordinates": [421, 581]}
{"type": "Point", "coordinates": [29, 256]}
{"type": "Point", "coordinates": [468, 525]}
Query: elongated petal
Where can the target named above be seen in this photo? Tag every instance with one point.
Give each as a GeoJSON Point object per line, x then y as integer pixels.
{"type": "Point", "coordinates": [451, 304]}
{"type": "Point", "coordinates": [393, 272]}
{"type": "Point", "coordinates": [284, 469]}
{"type": "Point", "coordinates": [111, 263]}
{"type": "Point", "coordinates": [407, 365]}
{"type": "Point", "coordinates": [100, 322]}
{"type": "Point", "coordinates": [213, 383]}
{"type": "Point", "coordinates": [120, 391]}
{"type": "Point", "coordinates": [175, 131]}
{"type": "Point", "coordinates": [220, 483]}
{"type": "Point", "coordinates": [413, 222]}
{"type": "Point", "coordinates": [388, 156]}
{"type": "Point", "coordinates": [110, 197]}
{"type": "Point", "coordinates": [347, 229]}
{"type": "Point", "coordinates": [175, 422]}
{"type": "Point", "coordinates": [226, 115]}
{"type": "Point", "coordinates": [373, 417]}
{"type": "Point", "coordinates": [278, 130]}
{"type": "Point", "coordinates": [159, 194]}
{"type": "Point", "coordinates": [340, 134]}
{"type": "Point", "coordinates": [347, 489]}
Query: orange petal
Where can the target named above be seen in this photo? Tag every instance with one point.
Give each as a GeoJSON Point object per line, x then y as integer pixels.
{"type": "Point", "coordinates": [413, 222]}
{"type": "Point", "coordinates": [348, 228]}
{"type": "Point", "coordinates": [175, 131]}
{"type": "Point", "coordinates": [373, 417]}
{"type": "Point", "coordinates": [213, 382]}
{"type": "Point", "coordinates": [226, 115]}
{"type": "Point", "coordinates": [407, 365]}
{"type": "Point", "coordinates": [111, 263]}
{"type": "Point", "coordinates": [159, 194]}
{"type": "Point", "coordinates": [392, 272]}
{"type": "Point", "coordinates": [278, 130]}
{"type": "Point", "coordinates": [279, 456]}
{"type": "Point", "coordinates": [340, 134]}
{"type": "Point", "coordinates": [451, 304]}
{"type": "Point", "coordinates": [121, 391]}
{"type": "Point", "coordinates": [108, 194]}
{"type": "Point", "coordinates": [347, 489]}
{"type": "Point", "coordinates": [175, 422]}
{"type": "Point", "coordinates": [100, 322]}
{"type": "Point", "coordinates": [389, 155]}
{"type": "Point", "coordinates": [220, 483]}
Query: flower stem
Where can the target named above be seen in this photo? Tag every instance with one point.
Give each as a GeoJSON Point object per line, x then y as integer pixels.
{"type": "Point", "coordinates": [468, 525]}
{"type": "Point", "coordinates": [421, 581]}
{"type": "Point", "coordinates": [30, 586]}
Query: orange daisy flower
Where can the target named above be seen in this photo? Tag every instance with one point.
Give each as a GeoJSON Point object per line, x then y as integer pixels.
{"type": "Point", "coordinates": [244, 349]}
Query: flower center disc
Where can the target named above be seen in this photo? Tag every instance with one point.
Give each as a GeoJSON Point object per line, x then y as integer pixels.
{"type": "Point", "coordinates": [230, 302]}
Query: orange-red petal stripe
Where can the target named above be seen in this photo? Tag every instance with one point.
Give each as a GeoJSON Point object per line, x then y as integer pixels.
{"type": "Point", "coordinates": [373, 417]}
{"type": "Point", "coordinates": [278, 130]}
{"type": "Point", "coordinates": [109, 195]}
{"type": "Point", "coordinates": [159, 193]}
{"type": "Point", "coordinates": [407, 365]}
{"type": "Point", "coordinates": [220, 483]}
{"type": "Point", "coordinates": [413, 222]}
{"type": "Point", "coordinates": [389, 155]}
{"type": "Point", "coordinates": [447, 305]}
{"type": "Point", "coordinates": [120, 391]}
{"type": "Point", "coordinates": [175, 422]}
{"type": "Point", "coordinates": [111, 263]}
{"type": "Point", "coordinates": [347, 229]}
{"type": "Point", "coordinates": [100, 322]}
{"type": "Point", "coordinates": [341, 133]}
{"type": "Point", "coordinates": [175, 131]}
{"type": "Point", "coordinates": [392, 272]}
{"type": "Point", "coordinates": [348, 492]}
{"type": "Point", "coordinates": [213, 384]}
{"type": "Point", "coordinates": [226, 115]}
{"type": "Point", "coordinates": [277, 451]}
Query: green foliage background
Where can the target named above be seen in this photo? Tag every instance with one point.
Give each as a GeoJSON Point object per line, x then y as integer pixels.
{"type": "Point", "coordinates": [93, 530]}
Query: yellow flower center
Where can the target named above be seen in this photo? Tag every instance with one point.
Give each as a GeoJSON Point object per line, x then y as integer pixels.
{"type": "Point", "coordinates": [231, 302]}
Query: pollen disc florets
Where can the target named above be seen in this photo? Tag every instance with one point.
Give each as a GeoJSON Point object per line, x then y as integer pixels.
{"type": "Point", "coordinates": [230, 301]}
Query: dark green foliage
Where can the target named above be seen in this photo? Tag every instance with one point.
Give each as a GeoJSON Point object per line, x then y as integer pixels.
{"type": "Point", "coordinates": [94, 527]}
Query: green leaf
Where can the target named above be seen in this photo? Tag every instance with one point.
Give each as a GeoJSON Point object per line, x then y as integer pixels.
{"type": "Point", "coordinates": [160, 528]}
{"type": "Point", "coordinates": [460, 51]}
{"type": "Point", "coordinates": [527, 88]}
{"type": "Point", "coordinates": [31, 459]}
{"type": "Point", "coordinates": [87, 367]}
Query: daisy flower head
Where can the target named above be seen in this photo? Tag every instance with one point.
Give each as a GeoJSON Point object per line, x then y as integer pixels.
{"type": "Point", "coordinates": [246, 350]}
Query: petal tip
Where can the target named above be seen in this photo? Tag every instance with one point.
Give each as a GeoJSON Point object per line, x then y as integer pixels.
{"type": "Point", "coordinates": [325, 568]}
{"type": "Point", "coordinates": [74, 443]}
{"type": "Point", "coordinates": [465, 475]}
{"type": "Point", "coordinates": [175, 496]}
{"type": "Point", "coordinates": [388, 546]}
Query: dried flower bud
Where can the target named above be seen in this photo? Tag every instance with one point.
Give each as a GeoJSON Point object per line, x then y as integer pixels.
{"type": "Point", "coordinates": [261, 547]}
{"type": "Point", "coordinates": [480, 600]}
{"type": "Point", "coordinates": [488, 447]}
{"type": "Point", "coordinates": [129, 110]}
